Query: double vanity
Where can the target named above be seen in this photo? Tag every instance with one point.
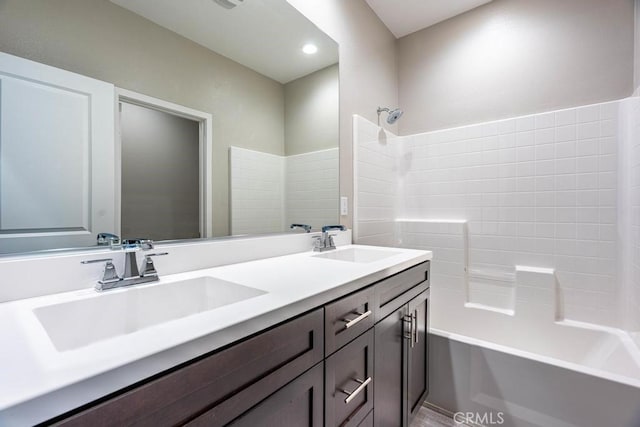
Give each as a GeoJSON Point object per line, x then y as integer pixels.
{"type": "Point", "coordinates": [303, 339]}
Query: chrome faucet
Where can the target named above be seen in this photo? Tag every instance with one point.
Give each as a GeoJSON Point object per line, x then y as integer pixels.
{"type": "Point", "coordinates": [131, 248]}
{"type": "Point", "coordinates": [325, 241]}
{"type": "Point", "coordinates": [107, 239]}
{"type": "Point", "coordinates": [132, 274]}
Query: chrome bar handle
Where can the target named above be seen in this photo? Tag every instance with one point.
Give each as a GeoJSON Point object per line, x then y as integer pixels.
{"type": "Point", "coordinates": [157, 254]}
{"type": "Point", "coordinates": [360, 318]}
{"type": "Point", "coordinates": [352, 394]}
{"type": "Point", "coordinates": [409, 335]}
{"type": "Point", "coordinates": [110, 275]}
{"type": "Point", "coordinates": [94, 261]}
{"type": "Point", "coordinates": [414, 328]}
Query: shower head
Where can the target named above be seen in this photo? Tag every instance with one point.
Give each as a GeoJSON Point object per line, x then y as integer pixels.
{"type": "Point", "coordinates": [393, 116]}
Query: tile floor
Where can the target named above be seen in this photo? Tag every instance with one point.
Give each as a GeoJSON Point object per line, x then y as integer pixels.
{"type": "Point", "coordinates": [428, 418]}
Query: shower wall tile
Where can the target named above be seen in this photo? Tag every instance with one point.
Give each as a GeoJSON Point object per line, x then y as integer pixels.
{"type": "Point", "coordinates": [376, 183]}
{"type": "Point", "coordinates": [633, 255]}
{"type": "Point", "coordinates": [257, 191]}
{"type": "Point", "coordinates": [539, 191]}
{"type": "Point", "coordinates": [270, 192]}
{"type": "Point", "coordinates": [311, 188]}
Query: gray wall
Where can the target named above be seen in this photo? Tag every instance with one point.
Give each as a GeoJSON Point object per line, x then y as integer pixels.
{"type": "Point", "coordinates": [311, 112]}
{"type": "Point", "coordinates": [104, 41]}
{"type": "Point", "coordinates": [368, 70]}
{"type": "Point", "coordinates": [160, 174]}
{"type": "Point", "coordinates": [636, 62]}
{"type": "Point", "coordinates": [515, 57]}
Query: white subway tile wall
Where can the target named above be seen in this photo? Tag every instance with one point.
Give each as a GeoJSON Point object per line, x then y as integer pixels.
{"type": "Point", "coordinates": [312, 188]}
{"type": "Point", "coordinates": [537, 191]}
{"type": "Point", "coordinates": [256, 191]}
{"type": "Point", "coordinates": [270, 192]}
{"type": "Point", "coordinates": [447, 240]}
{"type": "Point", "coordinates": [375, 183]}
{"type": "Point", "coordinates": [634, 252]}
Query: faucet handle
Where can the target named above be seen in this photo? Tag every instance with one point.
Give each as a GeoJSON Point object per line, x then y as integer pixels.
{"type": "Point", "coordinates": [317, 243]}
{"type": "Point", "coordinates": [148, 269]}
{"type": "Point", "coordinates": [110, 274]}
{"type": "Point", "coordinates": [333, 227]}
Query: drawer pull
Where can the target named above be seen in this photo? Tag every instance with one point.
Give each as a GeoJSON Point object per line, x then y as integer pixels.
{"type": "Point", "coordinates": [414, 325]}
{"type": "Point", "coordinates": [358, 319]}
{"type": "Point", "coordinates": [409, 334]}
{"type": "Point", "coordinates": [352, 394]}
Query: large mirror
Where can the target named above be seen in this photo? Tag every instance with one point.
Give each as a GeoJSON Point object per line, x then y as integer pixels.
{"type": "Point", "coordinates": [163, 119]}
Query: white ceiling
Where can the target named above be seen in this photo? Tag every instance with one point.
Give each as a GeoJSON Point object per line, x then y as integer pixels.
{"type": "Point", "coordinates": [404, 17]}
{"type": "Point", "coordinates": [264, 35]}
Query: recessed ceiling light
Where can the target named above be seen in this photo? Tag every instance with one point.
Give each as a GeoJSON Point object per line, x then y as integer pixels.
{"type": "Point", "coordinates": [309, 48]}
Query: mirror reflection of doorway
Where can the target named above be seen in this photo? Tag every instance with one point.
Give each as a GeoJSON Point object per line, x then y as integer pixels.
{"type": "Point", "coordinates": [160, 192]}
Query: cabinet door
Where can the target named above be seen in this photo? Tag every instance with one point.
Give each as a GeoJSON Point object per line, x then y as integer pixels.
{"type": "Point", "coordinates": [417, 355]}
{"type": "Point", "coordinates": [299, 403]}
{"type": "Point", "coordinates": [349, 381]}
{"type": "Point", "coordinates": [390, 369]}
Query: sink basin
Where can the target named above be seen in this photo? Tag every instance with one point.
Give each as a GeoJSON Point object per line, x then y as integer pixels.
{"type": "Point", "coordinates": [357, 255]}
{"type": "Point", "coordinates": [78, 323]}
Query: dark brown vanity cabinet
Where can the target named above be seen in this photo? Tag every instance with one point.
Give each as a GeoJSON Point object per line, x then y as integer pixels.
{"type": "Point", "coordinates": [348, 383]}
{"type": "Point", "coordinates": [417, 355]}
{"type": "Point", "coordinates": [347, 318]}
{"type": "Point", "coordinates": [401, 363]}
{"type": "Point", "coordinates": [401, 348]}
{"type": "Point", "coordinates": [358, 361]}
{"type": "Point", "coordinates": [217, 389]}
{"type": "Point", "coordinates": [299, 403]}
{"type": "Point", "coordinates": [390, 369]}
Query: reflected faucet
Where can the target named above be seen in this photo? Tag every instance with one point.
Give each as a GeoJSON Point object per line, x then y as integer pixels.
{"type": "Point", "coordinates": [107, 239]}
{"type": "Point", "coordinates": [305, 227]}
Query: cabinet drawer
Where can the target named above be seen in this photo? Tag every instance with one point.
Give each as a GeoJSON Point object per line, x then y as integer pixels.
{"type": "Point", "coordinates": [266, 362]}
{"type": "Point", "coordinates": [347, 318]}
{"type": "Point", "coordinates": [349, 383]}
{"type": "Point", "coordinates": [389, 289]}
{"type": "Point", "coordinates": [368, 421]}
{"type": "Point", "coordinates": [299, 404]}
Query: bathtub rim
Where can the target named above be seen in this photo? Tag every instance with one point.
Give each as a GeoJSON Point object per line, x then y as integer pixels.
{"type": "Point", "coordinates": [620, 334]}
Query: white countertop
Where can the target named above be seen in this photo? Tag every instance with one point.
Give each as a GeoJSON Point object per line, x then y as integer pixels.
{"type": "Point", "coordinates": [37, 382]}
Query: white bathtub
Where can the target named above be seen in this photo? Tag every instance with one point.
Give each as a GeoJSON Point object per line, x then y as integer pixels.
{"type": "Point", "coordinates": [528, 389]}
{"type": "Point", "coordinates": [528, 365]}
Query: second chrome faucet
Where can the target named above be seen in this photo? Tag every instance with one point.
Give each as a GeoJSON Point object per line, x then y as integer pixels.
{"type": "Point", "coordinates": [325, 241]}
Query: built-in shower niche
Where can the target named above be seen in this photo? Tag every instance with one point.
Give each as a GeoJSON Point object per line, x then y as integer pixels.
{"type": "Point", "coordinates": [491, 290]}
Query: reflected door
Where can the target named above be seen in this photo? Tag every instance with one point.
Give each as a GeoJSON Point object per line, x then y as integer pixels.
{"type": "Point", "coordinates": [57, 154]}
{"type": "Point", "coordinates": [160, 174]}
